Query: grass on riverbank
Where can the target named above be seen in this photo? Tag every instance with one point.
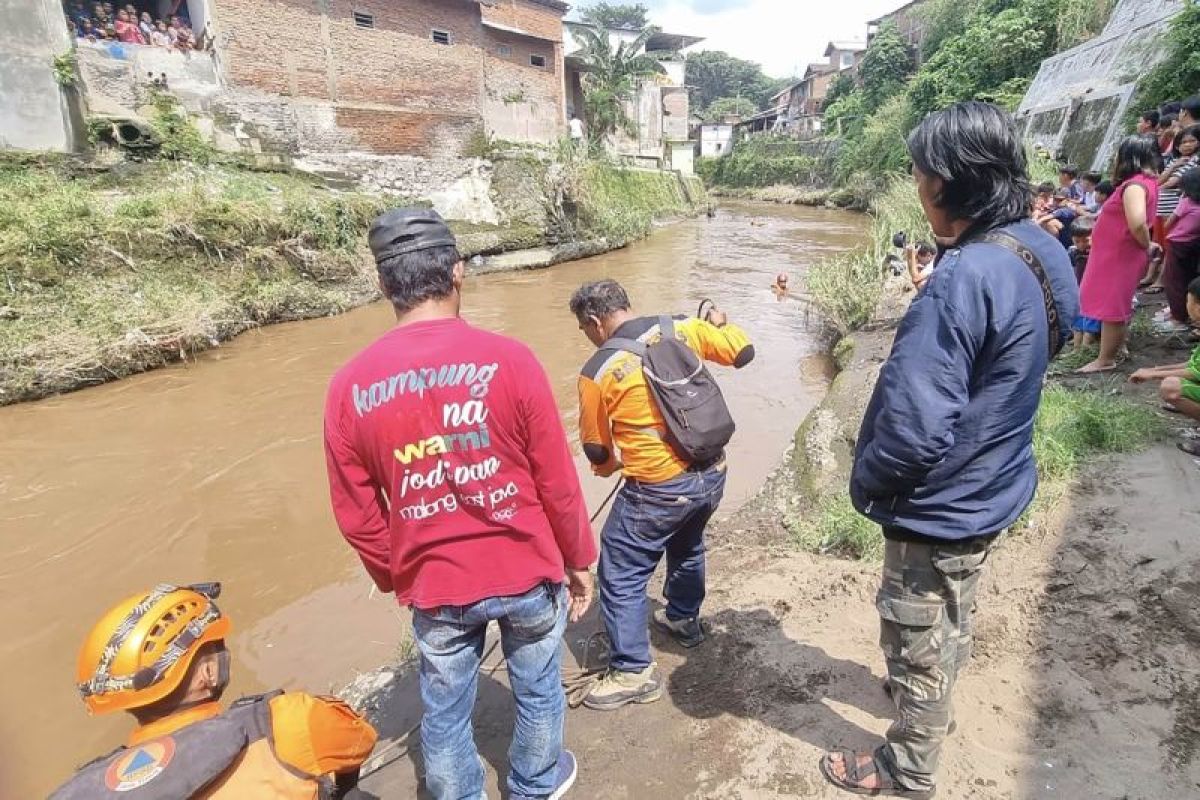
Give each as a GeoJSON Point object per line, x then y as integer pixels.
{"type": "Point", "coordinates": [1073, 426]}
{"type": "Point", "coordinates": [107, 273]}
{"type": "Point", "coordinates": [846, 288]}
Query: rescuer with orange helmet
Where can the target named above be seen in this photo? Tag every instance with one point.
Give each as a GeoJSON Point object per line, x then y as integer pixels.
{"type": "Point", "coordinates": [161, 656]}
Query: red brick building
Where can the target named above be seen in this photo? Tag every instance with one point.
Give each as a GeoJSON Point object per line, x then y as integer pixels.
{"type": "Point", "coordinates": [415, 77]}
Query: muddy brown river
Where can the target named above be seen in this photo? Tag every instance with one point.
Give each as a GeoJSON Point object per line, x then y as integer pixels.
{"type": "Point", "coordinates": [214, 470]}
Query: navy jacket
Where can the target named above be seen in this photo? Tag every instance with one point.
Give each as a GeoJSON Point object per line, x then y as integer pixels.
{"type": "Point", "coordinates": [946, 446]}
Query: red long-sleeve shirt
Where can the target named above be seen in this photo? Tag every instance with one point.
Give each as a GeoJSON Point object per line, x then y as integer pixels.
{"type": "Point", "coordinates": [449, 470]}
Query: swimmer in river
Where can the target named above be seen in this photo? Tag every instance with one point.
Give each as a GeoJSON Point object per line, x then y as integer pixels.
{"type": "Point", "coordinates": [780, 286]}
{"type": "Point", "coordinates": [757, 223]}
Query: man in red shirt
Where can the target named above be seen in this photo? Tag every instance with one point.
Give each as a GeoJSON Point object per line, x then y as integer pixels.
{"type": "Point", "coordinates": [450, 475]}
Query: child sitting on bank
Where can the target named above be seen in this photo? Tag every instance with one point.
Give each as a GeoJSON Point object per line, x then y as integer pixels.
{"type": "Point", "coordinates": [1088, 183]}
{"type": "Point", "coordinates": [1069, 183]}
{"type": "Point", "coordinates": [1180, 383]}
{"type": "Point", "coordinates": [1087, 330]}
{"type": "Point", "coordinates": [1044, 202]}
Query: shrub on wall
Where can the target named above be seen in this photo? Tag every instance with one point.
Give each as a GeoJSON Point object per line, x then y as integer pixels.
{"type": "Point", "coordinates": [1178, 76]}
{"type": "Point", "coordinates": [763, 161]}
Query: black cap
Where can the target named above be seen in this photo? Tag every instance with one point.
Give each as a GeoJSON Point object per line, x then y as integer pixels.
{"type": "Point", "coordinates": [407, 230]}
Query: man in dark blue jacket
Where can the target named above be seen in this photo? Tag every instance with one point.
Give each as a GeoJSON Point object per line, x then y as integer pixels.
{"type": "Point", "coordinates": [945, 454]}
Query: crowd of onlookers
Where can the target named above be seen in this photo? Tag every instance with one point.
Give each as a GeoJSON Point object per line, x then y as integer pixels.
{"type": "Point", "coordinates": [1138, 234]}
{"type": "Point", "coordinates": [1132, 236]}
{"type": "Point", "coordinates": [104, 22]}
{"type": "Point", "coordinates": [1137, 231]}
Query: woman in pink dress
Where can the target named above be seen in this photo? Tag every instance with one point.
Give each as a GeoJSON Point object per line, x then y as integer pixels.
{"type": "Point", "coordinates": [1121, 247]}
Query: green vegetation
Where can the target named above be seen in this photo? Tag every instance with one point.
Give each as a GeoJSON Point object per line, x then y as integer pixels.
{"type": "Point", "coordinates": [610, 80]}
{"type": "Point", "coordinates": [622, 204]}
{"type": "Point", "coordinates": [628, 16]}
{"type": "Point", "coordinates": [1073, 426]}
{"type": "Point", "coordinates": [108, 273]}
{"type": "Point", "coordinates": [179, 138]}
{"type": "Point", "coordinates": [974, 49]}
{"type": "Point", "coordinates": [720, 79]}
{"type": "Point", "coordinates": [104, 275]}
{"type": "Point", "coordinates": [762, 161]}
{"type": "Point", "coordinates": [66, 68]}
{"type": "Point", "coordinates": [1178, 76]}
{"type": "Point", "coordinates": [835, 528]}
{"type": "Point", "coordinates": [724, 107]}
{"type": "Point", "coordinates": [846, 288]}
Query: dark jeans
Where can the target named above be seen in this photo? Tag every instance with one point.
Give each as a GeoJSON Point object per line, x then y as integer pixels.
{"type": "Point", "coordinates": [648, 520]}
{"type": "Point", "coordinates": [1182, 265]}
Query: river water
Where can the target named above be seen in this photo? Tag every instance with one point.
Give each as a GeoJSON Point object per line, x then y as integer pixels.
{"type": "Point", "coordinates": [214, 471]}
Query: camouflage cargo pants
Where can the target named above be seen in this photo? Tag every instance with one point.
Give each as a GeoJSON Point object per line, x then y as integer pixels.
{"type": "Point", "coordinates": [925, 603]}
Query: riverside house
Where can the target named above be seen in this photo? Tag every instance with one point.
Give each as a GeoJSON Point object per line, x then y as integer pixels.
{"type": "Point", "coordinates": [419, 77]}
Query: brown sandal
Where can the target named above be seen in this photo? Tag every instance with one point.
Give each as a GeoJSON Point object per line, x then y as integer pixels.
{"type": "Point", "coordinates": [856, 774]}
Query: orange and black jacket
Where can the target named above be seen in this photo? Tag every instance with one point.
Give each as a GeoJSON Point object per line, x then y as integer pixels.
{"type": "Point", "coordinates": [619, 424]}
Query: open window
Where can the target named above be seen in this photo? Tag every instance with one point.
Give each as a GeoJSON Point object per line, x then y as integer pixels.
{"type": "Point", "coordinates": [536, 60]}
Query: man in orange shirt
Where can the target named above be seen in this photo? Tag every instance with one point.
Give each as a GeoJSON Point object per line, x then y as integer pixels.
{"type": "Point", "coordinates": [161, 656]}
{"type": "Point", "coordinates": [666, 501]}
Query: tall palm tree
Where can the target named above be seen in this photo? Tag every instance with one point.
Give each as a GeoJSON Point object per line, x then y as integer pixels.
{"type": "Point", "coordinates": [611, 79]}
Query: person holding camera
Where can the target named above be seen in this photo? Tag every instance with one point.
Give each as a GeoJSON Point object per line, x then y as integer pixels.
{"type": "Point", "coordinates": [944, 461]}
{"type": "Point", "coordinates": [920, 259]}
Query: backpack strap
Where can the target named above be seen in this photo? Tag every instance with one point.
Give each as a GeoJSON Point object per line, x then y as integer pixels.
{"type": "Point", "coordinates": [666, 327]}
{"type": "Point", "coordinates": [626, 345]}
{"type": "Point", "coordinates": [1030, 259]}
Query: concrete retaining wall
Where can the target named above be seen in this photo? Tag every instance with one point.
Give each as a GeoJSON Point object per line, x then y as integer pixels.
{"type": "Point", "coordinates": [1075, 104]}
{"type": "Point", "coordinates": [33, 109]}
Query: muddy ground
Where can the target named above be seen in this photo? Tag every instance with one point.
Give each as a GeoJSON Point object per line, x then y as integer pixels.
{"type": "Point", "coordinates": [1085, 682]}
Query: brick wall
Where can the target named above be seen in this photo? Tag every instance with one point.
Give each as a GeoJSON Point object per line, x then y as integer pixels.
{"type": "Point", "coordinates": [539, 19]}
{"type": "Point", "coordinates": [390, 88]}
{"type": "Point", "coordinates": [521, 101]}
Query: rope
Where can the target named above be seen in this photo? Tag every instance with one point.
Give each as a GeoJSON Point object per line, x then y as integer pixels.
{"type": "Point", "coordinates": [576, 682]}
{"type": "Point", "coordinates": [607, 500]}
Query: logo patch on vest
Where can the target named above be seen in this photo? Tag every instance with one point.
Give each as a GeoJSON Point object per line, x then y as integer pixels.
{"type": "Point", "coordinates": [140, 765]}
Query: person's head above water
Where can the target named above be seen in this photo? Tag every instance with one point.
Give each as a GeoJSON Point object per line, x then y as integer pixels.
{"type": "Point", "coordinates": [781, 280]}
{"type": "Point", "coordinates": [970, 168]}
{"type": "Point", "coordinates": [420, 269]}
{"type": "Point", "coordinates": [600, 307]}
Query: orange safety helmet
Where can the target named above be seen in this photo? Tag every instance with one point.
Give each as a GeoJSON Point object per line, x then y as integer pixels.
{"type": "Point", "coordinates": [140, 651]}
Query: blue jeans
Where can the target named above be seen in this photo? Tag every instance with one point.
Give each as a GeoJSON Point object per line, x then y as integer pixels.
{"type": "Point", "coordinates": [450, 639]}
{"type": "Point", "coordinates": [648, 520]}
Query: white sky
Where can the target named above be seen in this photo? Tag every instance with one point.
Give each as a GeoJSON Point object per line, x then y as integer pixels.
{"type": "Point", "coordinates": [782, 35]}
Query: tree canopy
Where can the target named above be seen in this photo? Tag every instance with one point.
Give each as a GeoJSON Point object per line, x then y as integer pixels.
{"type": "Point", "coordinates": [717, 75]}
{"type": "Point", "coordinates": [610, 78]}
{"type": "Point", "coordinates": [730, 106]}
{"type": "Point", "coordinates": [630, 16]}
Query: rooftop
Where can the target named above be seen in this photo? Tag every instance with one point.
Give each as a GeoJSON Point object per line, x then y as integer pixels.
{"type": "Point", "coordinates": [659, 42]}
{"type": "Point", "coordinates": [854, 47]}
{"type": "Point", "coordinates": [557, 5]}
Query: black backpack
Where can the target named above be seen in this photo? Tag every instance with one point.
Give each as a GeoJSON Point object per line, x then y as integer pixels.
{"type": "Point", "coordinates": [699, 424]}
